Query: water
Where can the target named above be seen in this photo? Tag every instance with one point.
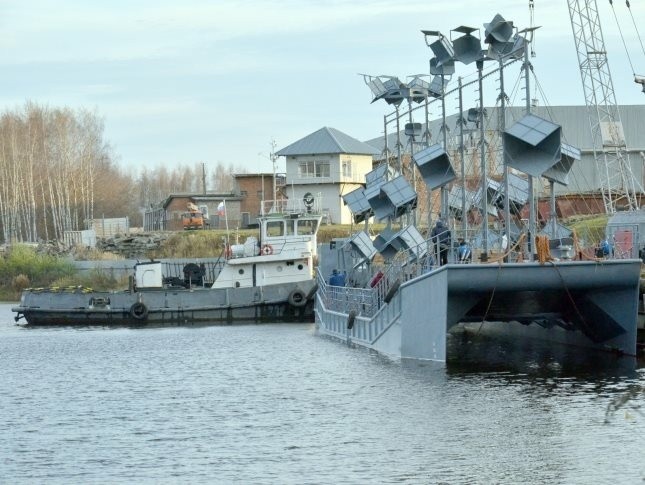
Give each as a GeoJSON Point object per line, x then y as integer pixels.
{"type": "Point", "coordinates": [277, 404]}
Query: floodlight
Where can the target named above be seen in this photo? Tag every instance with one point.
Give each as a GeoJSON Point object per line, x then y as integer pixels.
{"type": "Point", "coordinates": [435, 167]}
{"type": "Point", "coordinates": [445, 69]}
{"type": "Point", "coordinates": [361, 243]}
{"type": "Point", "coordinates": [473, 115]}
{"type": "Point", "coordinates": [441, 47]}
{"type": "Point", "coordinates": [533, 145]}
{"type": "Point", "coordinates": [498, 30]}
{"type": "Point", "coordinates": [437, 87]}
{"type": "Point", "coordinates": [417, 89]}
{"type": "Point", "coordinates": [395, 198]}
{"type": "Point", "coordinates": [560, 171]}
{"type": "Point", "coordinates": [413, 129]}
{"type": "Point", "coordinates": [358, 205]}
{"type": "Point", "coordinates": [467, 48]}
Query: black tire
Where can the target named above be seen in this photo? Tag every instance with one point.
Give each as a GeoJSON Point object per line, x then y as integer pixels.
{"type": "Point", "coordinates": [350, 319]}
{"type": "Point", "coordinates": [392, 291]}
{"type": "Point", "coordinates": [297, 298]}
{"type": "Point", "coordinates": [139, 311]}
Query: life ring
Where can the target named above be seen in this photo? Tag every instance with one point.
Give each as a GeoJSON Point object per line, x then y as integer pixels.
{"type": "Point", "coordinates": [139, 311]}
{"type": "Point", "coordinates": [267, 250]}
{"type": "Point", "coordinates": [297, 298]}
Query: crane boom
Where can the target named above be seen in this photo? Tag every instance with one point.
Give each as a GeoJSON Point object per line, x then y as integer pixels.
{"type": "Point", "coordinates": [617, 182]}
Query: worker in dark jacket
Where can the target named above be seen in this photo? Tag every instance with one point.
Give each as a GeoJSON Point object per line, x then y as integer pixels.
{"type": "Point", "coordinates": [441, 238]}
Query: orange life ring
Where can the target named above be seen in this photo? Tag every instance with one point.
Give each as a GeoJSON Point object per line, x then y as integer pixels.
{"type": "Point", "coordinates": [267, 249]}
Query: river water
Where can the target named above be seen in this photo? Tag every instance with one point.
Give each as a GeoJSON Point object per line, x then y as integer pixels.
{"type": "Point", "coordinates": [277, 404]}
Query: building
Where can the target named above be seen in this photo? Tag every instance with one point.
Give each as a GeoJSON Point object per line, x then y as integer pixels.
{"type": "Point", "coordinates": [327, 164]}
{"type": "Point", "coordinates": [253, 188]}
{"type": "Point", "coordinates": [167, 217]}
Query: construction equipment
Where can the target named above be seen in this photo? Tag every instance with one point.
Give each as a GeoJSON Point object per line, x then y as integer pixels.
{"type": "Point", "coordinates": [195, 217]}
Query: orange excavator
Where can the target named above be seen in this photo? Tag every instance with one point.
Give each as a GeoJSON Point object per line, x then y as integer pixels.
{"type": "Point", "coordinates": [195, 217]}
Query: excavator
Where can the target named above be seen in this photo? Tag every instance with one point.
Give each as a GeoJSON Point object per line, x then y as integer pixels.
{"type": "Point", "coordinates": [195, 217]}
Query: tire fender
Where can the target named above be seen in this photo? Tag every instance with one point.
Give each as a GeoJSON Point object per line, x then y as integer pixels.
{"type": "Point", "coordinates": [297, 298]}
{"type": "Point", "coordinates": [139, 311]}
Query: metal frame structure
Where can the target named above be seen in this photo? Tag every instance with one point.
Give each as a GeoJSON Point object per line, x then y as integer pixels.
{"type": "Point", "coordinates": [617, 181]}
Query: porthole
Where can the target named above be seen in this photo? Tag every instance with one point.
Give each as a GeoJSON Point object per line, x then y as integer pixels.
{"type": "Point", "coordinates": [279, 269]}
{"type": "Point", "coordinates": [300, 267]}
{"type": "Point", "coordinates": [241, 271]}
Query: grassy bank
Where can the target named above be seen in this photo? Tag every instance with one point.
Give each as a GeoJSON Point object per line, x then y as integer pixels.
{"type": "Point", "coordinates": [22, 267]}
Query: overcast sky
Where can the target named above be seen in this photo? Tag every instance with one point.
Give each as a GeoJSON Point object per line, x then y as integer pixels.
{"type": "Point", "coordinates": [215, 81]}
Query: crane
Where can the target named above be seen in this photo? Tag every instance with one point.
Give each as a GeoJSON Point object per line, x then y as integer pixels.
{"type": "Point", "coordinates": [617, 182]}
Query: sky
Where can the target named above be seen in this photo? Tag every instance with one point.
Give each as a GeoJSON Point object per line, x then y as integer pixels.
{"type": "Point", "coordinates": [179, 83]}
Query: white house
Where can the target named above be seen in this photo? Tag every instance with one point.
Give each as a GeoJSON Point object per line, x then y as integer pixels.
{"type": "Point", "coordinates": [327, 164]}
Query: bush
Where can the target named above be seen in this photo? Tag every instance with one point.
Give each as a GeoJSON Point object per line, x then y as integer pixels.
{"type": "Point", "coordinates": [39, 269]}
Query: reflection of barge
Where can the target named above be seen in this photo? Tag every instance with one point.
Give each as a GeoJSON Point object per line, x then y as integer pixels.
{"type": "Point", "coordinates": [269, 280]}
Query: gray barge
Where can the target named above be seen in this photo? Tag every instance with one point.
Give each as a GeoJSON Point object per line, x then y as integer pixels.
{"type": "Point", "coordinates": [265, 280]}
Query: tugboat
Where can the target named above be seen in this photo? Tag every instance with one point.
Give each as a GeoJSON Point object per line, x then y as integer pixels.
{"type": "Point", "coordinates": [270, 279]}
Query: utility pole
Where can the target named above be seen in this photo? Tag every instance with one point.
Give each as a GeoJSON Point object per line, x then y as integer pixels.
{"type": "Point", "coordinates": [274, 160]}
{"type": "Point", "coordinates": [204, 177]}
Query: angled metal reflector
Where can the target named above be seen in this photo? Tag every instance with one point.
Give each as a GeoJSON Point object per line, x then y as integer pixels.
{"type": "Point", "coordinates": [396, 198]}
{"type": "Point", "coordinates": [382, 243]}
{"type": "Point", "coordinates": [498, 30]}
{"type": "Point", "coordinates": [532, 145]}
{"type": "Point", "coordinates": [443, 50]}
{"type": "Point", "coordinates": [518, 194]}
{"type": "Point", "coordinates": [435, 89]}
{"type": "Point", "coordinates": [455, 201]}
{"type": "Point", "coordinates": [446, 68]}
{"type": "Point", "coordinates": [467, 48]}
{"type": "Point", "coordinates": [361, 244]}
{"type": "Point", "coordinates": [418, 89]}
{"type": "Point", "coordinates": [513, 48]}
{"type": "Point", "coordinates": [410, 239]}
{"type": "Point", "coordinates": [395, 91]}
{"type": "Point", "coordinates": [377, 87]}
{"type": "Point", "coordinates": [492, 187]}
{"type": "Point", "coordinates": [374, 180]}
{"type": "Point", "coordinates": [358, 205]}
{"type": "Point", "coordinates": [559, 173]}
{"type": "Point", "coordinates": [435, 167]}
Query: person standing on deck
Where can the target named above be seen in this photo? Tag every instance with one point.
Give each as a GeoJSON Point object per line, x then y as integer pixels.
{"type": "Point", "coordinates": [442, 239]}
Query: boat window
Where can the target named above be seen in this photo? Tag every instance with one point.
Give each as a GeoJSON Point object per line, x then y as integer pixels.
{"type": "Point", "coordinates": [275, 228]}
{"type": "Point", "coordinates": [306, 227]}
{"type": "Point", "coordinates": [291, 228]}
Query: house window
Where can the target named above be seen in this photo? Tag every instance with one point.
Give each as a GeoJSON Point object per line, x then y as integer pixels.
{"type": "Point", "coordinates": [313, 168]}
{"type": "Point", "coordinates": [347, 168]}
{"type": "Point", "coordinates": [243, 193]}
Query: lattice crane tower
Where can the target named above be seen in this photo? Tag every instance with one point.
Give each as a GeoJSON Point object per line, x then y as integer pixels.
{"type": "Point", "coordinates": [617, 181]}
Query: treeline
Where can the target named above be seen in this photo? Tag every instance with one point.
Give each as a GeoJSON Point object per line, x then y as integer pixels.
{"type": "Point", "coordinates": [57, 172]}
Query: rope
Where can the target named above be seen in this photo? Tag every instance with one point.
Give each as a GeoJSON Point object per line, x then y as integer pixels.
{"type": "Point", "coordinates": [622, 37]}
{"type": "Point", "coordinates": [490, 300]}
{"type": "Point", "coordinates": [543, 250]}
{"type": "Point", "coordinates": [635, 27]}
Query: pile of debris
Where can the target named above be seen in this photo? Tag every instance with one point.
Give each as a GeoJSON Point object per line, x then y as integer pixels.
{"type": "Point", "coordinates": [132, 246]}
